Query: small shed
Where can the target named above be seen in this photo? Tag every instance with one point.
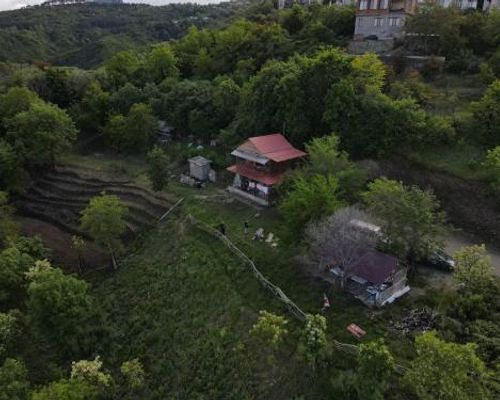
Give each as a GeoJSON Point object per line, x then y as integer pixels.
{"type": "Point", "coordinates": [199, 168]}
{"type": "Point", "coordinates": [164, 132]}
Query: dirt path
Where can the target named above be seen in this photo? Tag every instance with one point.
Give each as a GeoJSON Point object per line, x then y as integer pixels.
{"type": "Point", "coordinates": [459, 239]}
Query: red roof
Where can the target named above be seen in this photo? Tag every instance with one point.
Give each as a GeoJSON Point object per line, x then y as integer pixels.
{"type": "Point", "coordinates": [276, 147]}
{"type": "Point", "coordinates": [375, 267]}
{"type": "Point", "coordinates": [255, 175]}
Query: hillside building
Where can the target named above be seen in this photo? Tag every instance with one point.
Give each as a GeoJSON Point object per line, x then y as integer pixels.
{"type": "Point", "coordinates": [260, 163]}
{"type": "Point", "coordinates": [385, 19]}
{"type": "Point", "coordinates": [375, 278]}
{"type": "Point", "coordinates": [305, 3]}
{"type": "Point", "coordinates": [382, 19]}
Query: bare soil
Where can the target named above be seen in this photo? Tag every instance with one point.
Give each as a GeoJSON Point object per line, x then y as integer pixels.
{"type": "Point", "coordinates": [469, 205]}
{"type": "Point", "coordinates": [59, 242]}
{"type": "Point", "coordinates": [51, 208]}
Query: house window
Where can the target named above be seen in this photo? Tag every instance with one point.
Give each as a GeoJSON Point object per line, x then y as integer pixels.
{"type": "Point", "coordinates": [378, 22]}
{"type": "Point", "coordinates": [393, 21]}
{"type": "Point", "coordinates": [383, 4]}
{"type": "Point", "coordinates": [363, 4]}
{"type": "Point", "coordinates": [373, 4]}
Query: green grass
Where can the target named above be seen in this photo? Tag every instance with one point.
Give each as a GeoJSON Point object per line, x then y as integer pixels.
{"type": "Point", "coordinates": [132, 166]}
{"type": "Point", "coordinates": [460, 160]}
{"type": "Point", "coordinates": [183, 304]}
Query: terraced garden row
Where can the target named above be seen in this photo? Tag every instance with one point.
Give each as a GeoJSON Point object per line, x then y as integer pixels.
{"type": "Point", "coordinates": [59, 196]}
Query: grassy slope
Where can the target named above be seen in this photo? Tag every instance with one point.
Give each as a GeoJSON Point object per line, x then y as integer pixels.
{"type": "Point", "coordinates": [463, 161]}
{"type": "Point", "coordinates": [184, 304]}
{"type": "Point", "coordinates": [451, 97]}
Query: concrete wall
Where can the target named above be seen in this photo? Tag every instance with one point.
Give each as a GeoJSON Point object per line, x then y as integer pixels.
{"type": "Point", "coordinates": [379, 25]}
{"type": "Point", "coordinates": [370, 46]}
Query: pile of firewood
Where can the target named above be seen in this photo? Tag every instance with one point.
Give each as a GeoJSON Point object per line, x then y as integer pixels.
{"type": "Point", "coordinates": [417, 321]}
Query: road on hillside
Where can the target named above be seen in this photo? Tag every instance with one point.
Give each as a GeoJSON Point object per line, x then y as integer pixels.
{"type": "Point", "coordinates": [459, 239]}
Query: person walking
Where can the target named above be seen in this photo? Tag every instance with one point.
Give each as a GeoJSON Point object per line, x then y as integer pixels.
{"type": "Point", "coordinates": [245, 227]}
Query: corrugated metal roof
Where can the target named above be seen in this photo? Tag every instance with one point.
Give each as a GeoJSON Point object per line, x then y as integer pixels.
{"type": "Point", "coordinates": [375, 267]}
{"type": "Point", "coordinates": [250, 157]}
{"type": "Point", "coordinates": [274, 146]}
{"type": "Point", "coordinates": [199, 160]}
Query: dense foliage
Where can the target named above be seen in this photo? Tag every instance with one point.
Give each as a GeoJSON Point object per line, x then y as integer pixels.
{"type": "Point", "coordinates": [182, 317]}
{"type": "Point", "coordinates": [85, 35]}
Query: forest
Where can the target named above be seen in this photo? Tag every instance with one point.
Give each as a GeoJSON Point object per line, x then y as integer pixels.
{"type": "Point", "coordinates": [84, 35]}
{"type": "Point", "coordinates": [167, 311]}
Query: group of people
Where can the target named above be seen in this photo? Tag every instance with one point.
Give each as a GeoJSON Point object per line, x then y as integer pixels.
{"type": "Point", "coordinates": [259, 235]}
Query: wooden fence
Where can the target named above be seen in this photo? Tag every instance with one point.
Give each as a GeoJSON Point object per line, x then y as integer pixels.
{"type": "Point", "coordinates": [293, 308]}
{"type": "Point", "coordinates": [275, 290]}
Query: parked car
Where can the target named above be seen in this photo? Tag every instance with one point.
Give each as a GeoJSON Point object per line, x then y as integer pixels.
{"type": "Point", "coordinates": [440, 260]}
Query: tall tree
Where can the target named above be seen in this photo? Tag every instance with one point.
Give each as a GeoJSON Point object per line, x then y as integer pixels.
{"type": "Point", "coordinates": [135, 131]}
{"type": "Point", "coordinates": [309, 199]}
{"type": "Point", "coordinates": [122, 67]}
{"type": "Point", "coordinates": [8, 225]}
{"type": "Point", "coordinates": [160, 63]}
{"type": "Point", "coordinates": [59, 307]}
{"type": "Point", "coordinates": [337, 241]}
{"type": "Point", "coordinates": [66, 389]}
{"type": "Point", "coordinates": [313, 343]}
{"type": "Point", "coordinates": [104, 219]}
{"type": "Point", "coordinates": [16, 100]}
{"type": "Point", "coordinates": [375, 369]}
{"type": "Point", "coordinates": [158, 168]}
{"type": "Point", "coordinates": [13, 266]}
{"type": "Point", "coordinates": [411, 218]}
{"type": "Point", "coordinates": [492, 166]}
{"type": "Point", "coordinates": [446, 371]}
{"type": "Point", "coordinates": [93, 110]}
{"type": "Point", "coordinates": [40, 133]}
{"type": "Point", "coordinates": [8, 331]}
{"type": "Point", "coordinates": [14, 384]}
{"type": "Point", "coordinates": [485, 123]}
{"type": "Point", "coordinates": [12, 174]}
{"type": "Point", "coordinates": [325, 158]}
{"type": "Point", "coordinates": [78, 244]}
{"type": "Point", "coordinates": [473, 269]}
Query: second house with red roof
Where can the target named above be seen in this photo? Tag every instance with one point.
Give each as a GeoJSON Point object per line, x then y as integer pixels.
{"type": "Point", "coordinates": [260, 163]}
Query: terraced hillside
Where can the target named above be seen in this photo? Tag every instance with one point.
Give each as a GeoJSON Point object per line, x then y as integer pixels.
{"type": "Point", "coordinates": [54, 202]}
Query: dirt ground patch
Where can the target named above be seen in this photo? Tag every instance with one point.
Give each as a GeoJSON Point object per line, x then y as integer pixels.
{"type": "Point", "coordinates": [59, 242]}
{"type": "Point", "coordinates": [469, 205]}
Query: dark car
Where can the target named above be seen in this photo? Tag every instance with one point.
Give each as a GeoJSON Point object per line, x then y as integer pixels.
{"type": "Point", "coordinates": [440, 260]}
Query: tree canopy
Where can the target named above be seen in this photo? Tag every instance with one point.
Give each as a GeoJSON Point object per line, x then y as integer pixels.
{"type": "Point", "coordinates": [446, 370]}
{"type": "Point", "coordinates": [411, 219]}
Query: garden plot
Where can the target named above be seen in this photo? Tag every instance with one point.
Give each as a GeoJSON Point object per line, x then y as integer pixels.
{"type": "Point", "coordinates": [58, 197]}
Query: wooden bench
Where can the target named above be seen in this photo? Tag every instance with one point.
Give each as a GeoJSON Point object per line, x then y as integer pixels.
{"type": "Point", "coordinates": [356, 331]}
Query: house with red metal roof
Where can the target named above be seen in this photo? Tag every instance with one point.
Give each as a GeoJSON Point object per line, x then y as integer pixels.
{"type": "Point", "coordinates": [260, 163]}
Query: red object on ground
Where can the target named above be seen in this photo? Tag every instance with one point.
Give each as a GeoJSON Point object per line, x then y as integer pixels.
{"type": "Point", "coordinates": [356, 331]}
{"type": "Point", "coordinates": [326, 302]}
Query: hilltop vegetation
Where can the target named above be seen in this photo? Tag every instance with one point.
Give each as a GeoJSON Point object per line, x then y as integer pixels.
{"type": "Point", "coordinates": [179, 316]}
{"type": "Point", "coordinates": [84, 35]}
